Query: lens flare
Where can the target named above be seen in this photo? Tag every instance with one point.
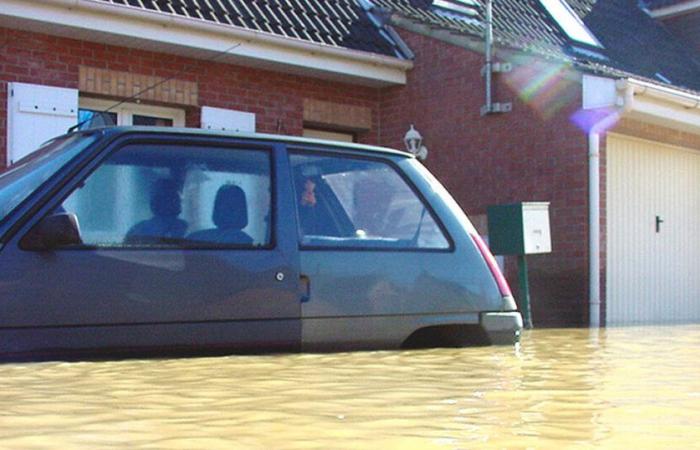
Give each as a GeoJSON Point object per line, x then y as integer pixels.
{"type": "Point", "coordinates": [602, 119]}
{"type": "Point", "coordinates": [546, 86]}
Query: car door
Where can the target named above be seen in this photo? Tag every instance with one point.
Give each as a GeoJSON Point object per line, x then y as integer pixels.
{"type": "Point", "coordinates": [377, 262]}
{"type": "Point", "coordinates": [184, 244]}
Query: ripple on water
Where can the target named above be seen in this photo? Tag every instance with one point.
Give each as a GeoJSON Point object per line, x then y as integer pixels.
{"type": "Point", "coordinates": [627, 387]}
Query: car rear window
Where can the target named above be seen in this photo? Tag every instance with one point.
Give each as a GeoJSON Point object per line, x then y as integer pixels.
{"type": "Point", "coordinates": [352, 202]}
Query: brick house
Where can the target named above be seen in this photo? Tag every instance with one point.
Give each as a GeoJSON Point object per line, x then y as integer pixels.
{"type": "Point", "coordinates": [594, 91]}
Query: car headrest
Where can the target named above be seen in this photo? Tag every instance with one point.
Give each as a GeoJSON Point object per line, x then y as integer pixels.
{"type": "Point", "coordinates": [230, 208]}
{"type": "Point", "coordinates": [165, 199]}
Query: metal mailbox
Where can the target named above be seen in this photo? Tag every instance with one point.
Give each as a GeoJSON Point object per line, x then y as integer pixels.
{"type": "Point", "coordinates": [519, 228]}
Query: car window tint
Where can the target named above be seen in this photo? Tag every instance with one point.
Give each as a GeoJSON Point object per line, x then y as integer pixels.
{"type": "Point", "coordinates": [359, 203]}
{"type": "Point", "coordinates": [171, 196]}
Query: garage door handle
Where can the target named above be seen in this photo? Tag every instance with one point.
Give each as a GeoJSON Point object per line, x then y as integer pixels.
{"type": "Point", "coordinates": [659, 221]}
{"type": "Point", "coordinates": [305, 288]}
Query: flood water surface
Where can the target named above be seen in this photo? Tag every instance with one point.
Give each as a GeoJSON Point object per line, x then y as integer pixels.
{"type": "Point", "coordinates": [620, 387]}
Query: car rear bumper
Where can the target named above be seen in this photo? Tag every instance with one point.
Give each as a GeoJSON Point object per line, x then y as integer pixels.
{"type": "Point", "coordinates": [502, 328]}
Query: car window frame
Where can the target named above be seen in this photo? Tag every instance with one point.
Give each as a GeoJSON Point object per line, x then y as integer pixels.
{"type": "Point", "coordinates": [30, 207]}
{"type": "Point", "coordinates": [389, 161]}
{"type": "Point", "coordinates": [71, 181]}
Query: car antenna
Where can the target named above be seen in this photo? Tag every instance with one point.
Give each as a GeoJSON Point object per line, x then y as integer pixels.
{"type": "Point", "coordinates": [148, 88]}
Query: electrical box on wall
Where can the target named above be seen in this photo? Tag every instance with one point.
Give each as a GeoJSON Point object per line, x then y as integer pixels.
{"type": "Point", "coordinates": [519, 228]}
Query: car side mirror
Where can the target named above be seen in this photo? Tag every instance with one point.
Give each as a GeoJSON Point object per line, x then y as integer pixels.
{"type": "Point", "coordinates": [54, 231]}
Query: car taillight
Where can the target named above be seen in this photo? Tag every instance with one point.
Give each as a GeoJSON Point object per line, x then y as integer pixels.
{"type": "Point", "coordinates": [493, 265]}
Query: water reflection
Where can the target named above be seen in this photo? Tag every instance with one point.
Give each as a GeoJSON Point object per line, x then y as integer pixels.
{"type": "Point", "coordinates": [627, 387]}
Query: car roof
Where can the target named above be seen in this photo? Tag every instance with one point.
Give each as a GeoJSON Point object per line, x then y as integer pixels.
{"type": "Point", "coordinates": [116, 130]}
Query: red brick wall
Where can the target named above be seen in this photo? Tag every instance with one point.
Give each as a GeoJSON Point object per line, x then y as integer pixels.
{"type": "Point", "coordinates": [533, 153]}
{"type": "Point", "coordinates": [275, 98]}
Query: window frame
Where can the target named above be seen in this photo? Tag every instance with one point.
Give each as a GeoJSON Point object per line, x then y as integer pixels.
{"type": "Point", "coordinates": [72, 183]}
{"type": "Point", "coordinates": [388, 161]}
{"type": "Point", "coordinates": [126, 111]}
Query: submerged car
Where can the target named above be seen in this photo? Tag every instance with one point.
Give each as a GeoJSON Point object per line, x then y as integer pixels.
{"type": "Point", "coordinates": [150, 239]}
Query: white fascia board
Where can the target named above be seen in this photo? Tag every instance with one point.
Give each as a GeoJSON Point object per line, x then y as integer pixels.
{"type": "Point", "coordinates": [643, 101]}
{"type": "Point", "coordinates": [659, 105]}
{"type": "Point", "coordinates": [176, 34]}
{"type": "Point", "coordinates": [657, 112]}
{"type": "Point", "coordinates": [675, 10]}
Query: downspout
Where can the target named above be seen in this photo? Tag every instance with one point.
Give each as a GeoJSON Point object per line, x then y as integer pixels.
{"type": "Point", "coordinates": [594, 227]}
{"type": "Point", "coordinates": [594, 202]}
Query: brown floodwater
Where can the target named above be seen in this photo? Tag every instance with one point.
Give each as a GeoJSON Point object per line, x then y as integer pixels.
{"type": "Point", "coordinates": [620, 387]}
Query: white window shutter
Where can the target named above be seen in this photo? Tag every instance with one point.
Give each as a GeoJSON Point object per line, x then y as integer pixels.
{"type": "Point", "coordinates": [227, 119]}
{"type": "Point", "coordinates": [36, 114]}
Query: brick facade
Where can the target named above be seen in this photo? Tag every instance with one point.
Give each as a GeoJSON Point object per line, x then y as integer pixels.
{"type": "Point", "coordinates": [533, 153]}
{"type": "Point", "coordinates": [277, 99]}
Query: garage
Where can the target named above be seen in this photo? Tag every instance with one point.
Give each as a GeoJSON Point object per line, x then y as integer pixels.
{"type": "Point", "coordinates": [653, 243]}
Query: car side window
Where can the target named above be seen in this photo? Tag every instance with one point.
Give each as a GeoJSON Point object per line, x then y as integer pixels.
{"type": "Point", "coordinates": [353, 202]}
{"type": "Point", "coordinates": [175, 196]}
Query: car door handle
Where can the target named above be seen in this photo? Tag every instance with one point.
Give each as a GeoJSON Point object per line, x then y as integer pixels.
{"type": "Point", "coordinates": [304, 288]}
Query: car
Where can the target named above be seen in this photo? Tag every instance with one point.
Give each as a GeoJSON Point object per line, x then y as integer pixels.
{"type": "Point", "coordinates": [147, 239]}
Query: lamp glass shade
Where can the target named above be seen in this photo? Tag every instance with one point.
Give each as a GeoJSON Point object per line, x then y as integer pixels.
{"type": "Point", "coordinates": [413, 140]}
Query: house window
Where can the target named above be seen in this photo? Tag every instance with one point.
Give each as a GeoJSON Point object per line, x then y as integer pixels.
{"type": "Point", "coordinates": [90, 114]}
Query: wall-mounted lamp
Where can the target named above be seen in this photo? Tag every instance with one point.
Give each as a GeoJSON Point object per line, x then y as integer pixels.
{"type": "Point", "coordinates": [414, 143]}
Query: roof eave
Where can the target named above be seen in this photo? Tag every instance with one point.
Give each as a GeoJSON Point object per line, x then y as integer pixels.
{"type": "Point", "coordinates": [196, 35]}
{"type": "Point", "coordinates": [644, 101]}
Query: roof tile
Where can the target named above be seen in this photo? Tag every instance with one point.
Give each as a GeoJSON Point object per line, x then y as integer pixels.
{"type": "Point", "coordinates": [634, 44]}
{"type": "Point", "coordinates": [340, 23]}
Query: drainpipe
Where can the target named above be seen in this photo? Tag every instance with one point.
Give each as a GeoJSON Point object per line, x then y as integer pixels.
{"type": "Point", "coordinates": [594, 202]}
{"type": "Point", "coordinates": [594, 227]}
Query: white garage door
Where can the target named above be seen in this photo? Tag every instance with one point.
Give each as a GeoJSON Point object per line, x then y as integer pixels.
{"type": "Point", "coordinates": [653, 232]}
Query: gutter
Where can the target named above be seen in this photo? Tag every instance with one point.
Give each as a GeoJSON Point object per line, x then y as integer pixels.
{"type": "Point", "coordinates": [594, 217]}
{"type": "Point", "coordinates": [175, 21]}
{"type": "Point", "coordinates": [631, 87]}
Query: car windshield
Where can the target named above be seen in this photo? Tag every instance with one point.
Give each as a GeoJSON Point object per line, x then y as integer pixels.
{"type": "Point", "coordinates": [30, 172]}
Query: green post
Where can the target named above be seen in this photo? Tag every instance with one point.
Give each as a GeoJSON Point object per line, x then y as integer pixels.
{"type": "Point", "coordinates": [524, 291]}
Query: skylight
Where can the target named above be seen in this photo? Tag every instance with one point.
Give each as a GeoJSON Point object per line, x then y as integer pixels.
{"type": "Point", "coordinates": [570, 22]}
